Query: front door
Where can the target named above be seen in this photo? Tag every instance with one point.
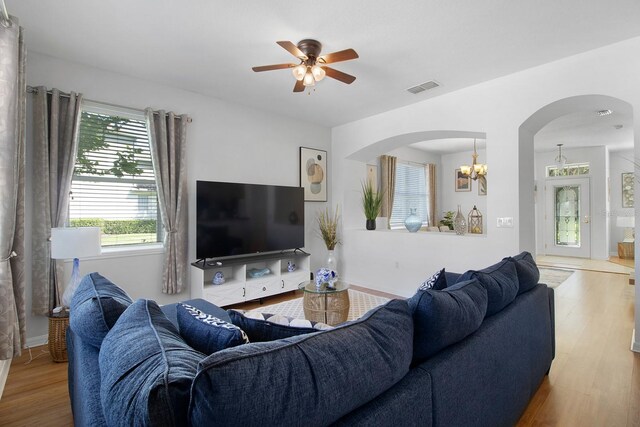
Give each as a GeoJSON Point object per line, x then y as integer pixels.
{"type": "Point", "coordinates": [567, 218]}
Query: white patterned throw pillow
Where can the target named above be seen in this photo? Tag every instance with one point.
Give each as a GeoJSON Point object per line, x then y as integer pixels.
{"type": "Point", "coordinates": [437, 281]}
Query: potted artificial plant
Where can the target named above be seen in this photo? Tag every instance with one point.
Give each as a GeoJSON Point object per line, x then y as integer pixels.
{"type": "Point", "coordinates": [371, 204]}
{"type": "Point", "coordinates": [328, 225]}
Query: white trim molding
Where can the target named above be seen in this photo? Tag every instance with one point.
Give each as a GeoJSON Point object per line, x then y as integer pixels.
{"type": "Point", "coordinates": [635, 345]}
{"type": "Point", "coordinates": [36, 341]}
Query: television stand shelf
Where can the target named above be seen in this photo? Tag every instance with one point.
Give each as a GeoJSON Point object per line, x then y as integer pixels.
{"type": "Point", "coordinates": [239, 286]}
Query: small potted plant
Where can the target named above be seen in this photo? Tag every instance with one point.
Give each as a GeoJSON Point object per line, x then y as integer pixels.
{"type": "Point", "coordinates": [448, 219]}
{"type": "Point", "coordinates": [328, 225]}
{"type": "Point", "coordinates": [371, 204]}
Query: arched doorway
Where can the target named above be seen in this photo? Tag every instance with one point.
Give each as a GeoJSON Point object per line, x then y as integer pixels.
{"type": "Point", "coordinates": [598, 220]}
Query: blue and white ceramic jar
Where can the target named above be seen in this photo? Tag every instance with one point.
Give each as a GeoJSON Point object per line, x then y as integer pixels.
{"type": "Point", "coordinates": [413, 221]}
{"type": "Point", "coordinates": [218, 278]}
{"type": "Point", "coordinates": [325, 275]}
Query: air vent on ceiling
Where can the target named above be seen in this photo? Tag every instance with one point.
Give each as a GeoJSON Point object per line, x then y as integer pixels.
{"type": "Point", "coordinates": [423, 86]}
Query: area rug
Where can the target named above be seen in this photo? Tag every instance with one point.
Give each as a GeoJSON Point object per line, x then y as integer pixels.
{"type": "Point", "coordinates": [554, 277]}
{"type": "Point", "coordinates": [359, 304]}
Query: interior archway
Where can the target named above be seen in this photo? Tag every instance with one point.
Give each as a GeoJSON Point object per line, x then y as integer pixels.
{"type": "Point", "coordinates": [527, 131]}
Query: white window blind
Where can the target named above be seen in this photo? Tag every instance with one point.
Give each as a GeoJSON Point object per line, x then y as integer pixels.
{"type": "Point", "coordinates": [113, 185]}
{"type": "Point", "coordinates": [410, 192]}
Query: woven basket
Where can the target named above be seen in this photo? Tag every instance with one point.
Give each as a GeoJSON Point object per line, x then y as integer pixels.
{"type": "Point", "coordinates": [58, 338]}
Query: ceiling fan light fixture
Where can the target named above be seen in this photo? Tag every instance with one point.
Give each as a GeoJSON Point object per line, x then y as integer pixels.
{"type": "Point", "coordinates": [299, 71]}
{"type": "Point", "coordinates": [308, 79]}
{"type": "Point", "coordinates": [318, 73]}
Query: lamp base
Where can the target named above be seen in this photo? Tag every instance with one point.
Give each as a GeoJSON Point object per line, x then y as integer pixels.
{"type": "Point", "coordinates": [71, 287]}
{"type": "Point", "coordinates": [629, 235]}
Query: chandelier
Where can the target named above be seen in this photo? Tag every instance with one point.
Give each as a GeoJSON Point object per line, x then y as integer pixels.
{"type": "Point", "coordinates": [476, 169]}
{"type": "Point", "coordinates": [560, 160]}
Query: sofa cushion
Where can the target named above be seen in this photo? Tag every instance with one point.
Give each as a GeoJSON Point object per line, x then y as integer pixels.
{"type": "Point", "coordinates": [207, 333]}
{"type": "Point", "coordinates": [501, 282]}
{"type": "Point", "coordinates": [528, 273]}
{"type": "Point", "coordinates": [309, 380]}
{"type": "Point", "coordinates": [95, 307]}
{"type": "Point", "coordinates": [146, 369]}
{"type": "Point", "coordinates": [437, 281]}
{"type": "Point", "coordinates": [442, 318]}
{"type": "Point", "coordinates": [269, 327]}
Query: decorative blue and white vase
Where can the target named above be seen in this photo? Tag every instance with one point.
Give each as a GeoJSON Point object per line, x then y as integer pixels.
{"type": "Point", "coordinates": [413, 221]}
{"type": "Point", "coordinates": [291, 266]}
{"type": "Point", "coordinates": [218, 278]}
{"type": "Point", "coordinates": [325, 275]}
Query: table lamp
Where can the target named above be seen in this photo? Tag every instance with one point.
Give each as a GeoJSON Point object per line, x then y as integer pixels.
{"type": "Point", "coordinates": [74, 242]}
{"type": "Point", "coordinates": [629, 224]}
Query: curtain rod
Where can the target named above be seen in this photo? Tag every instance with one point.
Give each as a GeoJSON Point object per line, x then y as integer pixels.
{"type": "Point", "coordinates": [31, 89]}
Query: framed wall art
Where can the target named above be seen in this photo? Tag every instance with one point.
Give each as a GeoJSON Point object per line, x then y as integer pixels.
{"type": "Point", "coordinates": [463, 182]}
{"type": "Point", "coordinates": [627, 189]}
{"type": "Point", "coordinates": [482, 186]}
{"type": "Point", "coordinates": [313, 174]}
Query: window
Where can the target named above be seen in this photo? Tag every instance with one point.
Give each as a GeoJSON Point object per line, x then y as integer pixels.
{"type": "Point", "coordinates": [410, 193]}
{"type": "Point", "coordinates": [113, 184]}
{"type": "Point", "coordinates": [572, 169]}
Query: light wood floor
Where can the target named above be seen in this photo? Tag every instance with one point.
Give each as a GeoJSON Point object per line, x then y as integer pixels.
{"type": "Point", "coordinates": [594, 380]}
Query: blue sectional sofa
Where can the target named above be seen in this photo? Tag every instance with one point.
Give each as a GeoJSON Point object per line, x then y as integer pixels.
{"type": "Point", "coordinates": [467, 350]}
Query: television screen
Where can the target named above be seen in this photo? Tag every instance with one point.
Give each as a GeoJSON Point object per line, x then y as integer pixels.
{"type": "Point", "coordinates": [241, 219]}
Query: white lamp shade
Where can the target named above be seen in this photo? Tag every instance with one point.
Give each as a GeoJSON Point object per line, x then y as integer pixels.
{"type": "Point", "coordinates": [75, 242]}
{"type": "Point", "coordinates": [626, 221]}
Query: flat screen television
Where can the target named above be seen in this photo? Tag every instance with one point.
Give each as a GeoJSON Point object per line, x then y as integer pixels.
{"type": "Point", "coordinates": [241, 219]}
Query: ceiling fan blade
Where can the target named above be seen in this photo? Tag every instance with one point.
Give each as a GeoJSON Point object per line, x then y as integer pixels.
{"type": "Point", "coordinates": [272, 67]}
{"type": "Point", "coordinates": [343, 55]}
{"type": "Point", "coordinates": [299, 87]}
{"type": "Point", "coordinates": [293, 49]}
{"type": "Point", "coordinates": [339, 75]}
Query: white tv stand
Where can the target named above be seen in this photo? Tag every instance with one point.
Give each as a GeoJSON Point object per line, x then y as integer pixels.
{"type": "Point", "coordinates": [239, 286]}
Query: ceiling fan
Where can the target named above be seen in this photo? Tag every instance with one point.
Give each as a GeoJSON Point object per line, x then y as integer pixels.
{"type": "Point", "coordinates": [313, 66]}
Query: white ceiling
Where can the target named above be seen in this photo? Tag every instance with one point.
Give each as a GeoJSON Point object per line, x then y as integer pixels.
{"type": "Point", "coordinates": [449, 145]}
{"type": "Point", "coordinates": [209, 46]}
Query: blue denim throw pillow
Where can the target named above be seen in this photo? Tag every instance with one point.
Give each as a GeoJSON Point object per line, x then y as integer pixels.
{"type": "Point", "coordinates": [262, 327]}
{"type": "Point", "coordinates": [307, 380]}
{"type": "Point", "coordinates": [95, 307]}
{"type": "Point", "coordinates": [442, 318]}
{"type": "Point", "coordinates": [501, 282]}
{"type": "Point", "coordinates": [528, 273]}
{"type": "Point", "coordinates": [207, 333]}
{"type": "Point", "coordinates": [146, 369]}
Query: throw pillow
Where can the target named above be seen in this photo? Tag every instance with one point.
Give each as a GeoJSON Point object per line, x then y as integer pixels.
{"type": "Point", "coordinates": [207, 333]}
{"type": "Point", "coordinates": [501, 282]}
{"type": "Point", "coordinates": [310, 380]}
{"type": "Point", "coordinates": [146, 369]}
{"type": "Point", "coordinates": [442, 318]}
{"type": "Point", "coordinates": [95, 307]}
{"type": "Point", "coordinates": [528, 273]}
{"type": "Point", "coordinates": [437, 281]}
{"type": "Point", "coordinates": [262, 327]}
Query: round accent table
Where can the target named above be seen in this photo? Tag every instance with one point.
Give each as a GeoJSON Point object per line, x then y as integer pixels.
{"type": "Point", "coordinates": [325, 304]}
{"type": "Point", "coordinates": [58, 324]}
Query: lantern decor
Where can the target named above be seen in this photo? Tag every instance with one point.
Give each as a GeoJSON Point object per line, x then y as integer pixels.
{"type": "Point", "coordinates": [475, 221]}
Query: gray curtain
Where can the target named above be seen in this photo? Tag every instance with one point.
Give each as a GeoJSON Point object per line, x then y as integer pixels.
{"type": "Point", "coordinates": [56, 123]}
{"type": "Point", "coordinates": [167, 139]}
{"type": "Point", "coordinates": [12, 145]}
{"type": "Point", "coordinates": [388, 184]}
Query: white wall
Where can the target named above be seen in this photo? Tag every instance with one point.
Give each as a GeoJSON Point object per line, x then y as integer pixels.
{"type": "Point", "coordinates": [619, 162]}
{"type": "Point", "coordinates": [450, 198]}
{"type": "Point", "coordinates": [498, 108]}
{"type": "Point", "coordinates": [596, 157]}
{"type": "Point", "coordinates": [226, 142]}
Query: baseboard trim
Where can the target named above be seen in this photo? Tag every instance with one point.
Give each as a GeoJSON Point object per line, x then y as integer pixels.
{"type": "Point", "coordinates": [36, 341]}
{"type": "Point", "coordinates": [635, 345]}
{"type": "Point", "coordinates": [4, 373]}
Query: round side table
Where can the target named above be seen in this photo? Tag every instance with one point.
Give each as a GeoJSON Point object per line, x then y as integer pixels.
{"type": "Point", "coordinates": [325, 304]}
{"type": "Point", "coordinates": [58, 324]}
